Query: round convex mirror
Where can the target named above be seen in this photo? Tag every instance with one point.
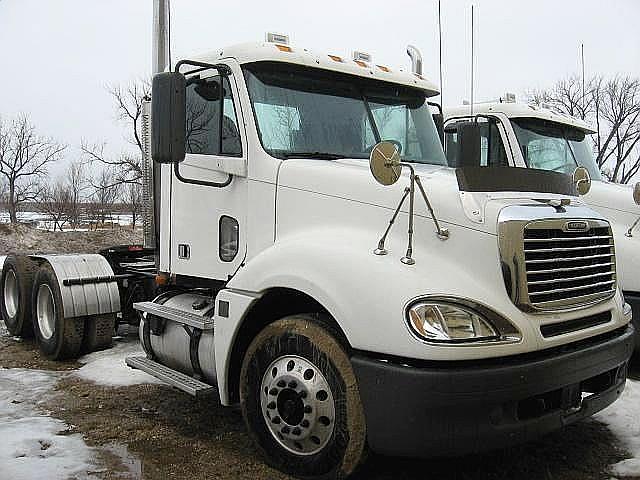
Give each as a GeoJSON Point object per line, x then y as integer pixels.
{"type": "Point", "coordinates": [582, 180]}
{"type": "Point", "coordinates": [384, 163]}
{"type": "Point", "coordinates": [636, 193]}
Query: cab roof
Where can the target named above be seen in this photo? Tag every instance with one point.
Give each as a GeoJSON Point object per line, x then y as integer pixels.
{"type": "Point", "coordinates": [273, 52]}
{"type": "Point", "coordinates": [519, 110]}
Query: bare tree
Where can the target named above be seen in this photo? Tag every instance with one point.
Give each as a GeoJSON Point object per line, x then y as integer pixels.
{"type": "Point", "coordinates": [24, 158]}
{"type": "Point", "coordinates": [613, 107]}
{"type": "Point", "coordinates": [54, 202]}
{"type": "Point", "coordinates": [568, 96]}
{"type": "Point", "coordinates": [129, 101]}
{"type": "Point", "coordinates": [106, 191]}
{"type": "Point", "coordinates": [132, 198]}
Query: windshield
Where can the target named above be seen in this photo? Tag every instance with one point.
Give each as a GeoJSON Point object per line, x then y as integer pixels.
{"type": "Point", "coordinates": [311, 112]}
{"type": "Point", "coordinates": [552, 146]}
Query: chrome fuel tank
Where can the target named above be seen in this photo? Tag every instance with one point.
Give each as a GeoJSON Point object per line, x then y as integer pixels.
{"type": "Point", "coordinates": [180, 347]}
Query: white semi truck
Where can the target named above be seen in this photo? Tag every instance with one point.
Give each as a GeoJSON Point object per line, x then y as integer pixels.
{"type": "Point", "coordinates": [276, 274]}
{"type": "Point", "coordinates": [528, 136]}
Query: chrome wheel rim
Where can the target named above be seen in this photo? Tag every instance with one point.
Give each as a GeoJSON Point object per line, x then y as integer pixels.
{"type": "Point", "coordinates": [297, 405]}
{"type": "Point", "coordinates": [46, 311]}
{"type": "Point", "coordinates": [11, 294]}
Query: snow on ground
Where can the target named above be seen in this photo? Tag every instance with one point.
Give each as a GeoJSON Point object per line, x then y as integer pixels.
{"type": "Point", "coordinates": [33, 443]}
{"type": "Point", "coordinates": [108, 367]}
{"type": "Point", "coordinates": [623, 419]}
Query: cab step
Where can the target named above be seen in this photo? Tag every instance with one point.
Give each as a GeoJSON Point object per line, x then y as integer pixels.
{"type": "Point", "coordinates": [175, 315]}
{"type": "Point", "coordinates": [172, 377]}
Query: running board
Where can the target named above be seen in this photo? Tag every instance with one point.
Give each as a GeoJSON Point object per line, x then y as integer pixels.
{"type": "Point", "coordinates": [174, 378]}
{"type": "Point", "coordinates": [175, 315]}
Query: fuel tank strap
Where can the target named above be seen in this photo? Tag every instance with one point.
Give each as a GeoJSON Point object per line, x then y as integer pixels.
{"type": "Point", "coordinates": [194, 343]}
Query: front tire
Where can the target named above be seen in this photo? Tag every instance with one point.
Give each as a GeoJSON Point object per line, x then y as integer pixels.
{"type": "Point", "coordinates": [300, 400]}
{"type": "Point", "coordinates": [58, 337]}
{"type": "Point", "coordinates": [15, 294]}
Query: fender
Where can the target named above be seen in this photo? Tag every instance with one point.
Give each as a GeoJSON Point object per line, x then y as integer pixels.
{"type": "Point", "coordinates": [88, 299]}
{"type": "Point", "coordinates": [336, 267]}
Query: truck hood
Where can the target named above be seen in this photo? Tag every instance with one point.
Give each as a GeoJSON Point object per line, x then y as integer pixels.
{"type": "Point", "coordinates": [351, 180]}
{"type": "Point", "coordinates": [612, 196]}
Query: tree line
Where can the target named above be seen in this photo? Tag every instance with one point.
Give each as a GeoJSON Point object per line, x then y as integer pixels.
{"type": "Point", "coordinates": [92, 188]}
{"type": "Point", "coordinates": [612, 107]}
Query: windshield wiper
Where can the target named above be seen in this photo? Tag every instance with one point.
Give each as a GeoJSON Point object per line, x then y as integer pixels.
{"type": "Point", "coordinates": [319, 155]}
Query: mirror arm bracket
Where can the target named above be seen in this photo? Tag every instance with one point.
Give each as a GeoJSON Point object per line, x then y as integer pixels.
{"type": "Point", "coordinates": [628, 233]}
{"type": "Point", "coordinates": [220, 67]}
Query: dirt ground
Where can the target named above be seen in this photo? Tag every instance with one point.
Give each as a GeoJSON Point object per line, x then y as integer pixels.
{"type": "Point", "coordinates": [155, 432]}
{"type": "Point", "coordinates": [24, 239]}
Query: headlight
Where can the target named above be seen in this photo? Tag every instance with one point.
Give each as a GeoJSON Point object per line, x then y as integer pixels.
{"type": "Point", "coordinates": [436, 321]}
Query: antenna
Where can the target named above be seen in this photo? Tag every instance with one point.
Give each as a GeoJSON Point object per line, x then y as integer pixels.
{"type": "Point", "coordinates": [440, 46]}
{"type": "Point", "coordinates": [472, 53]}
{"type": "Point", "coordinates": [583, 96]}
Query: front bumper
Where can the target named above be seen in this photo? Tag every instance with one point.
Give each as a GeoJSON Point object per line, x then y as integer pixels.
{"type": "Point", "coordinates": [428, 409]}
{"type": "Point", "coordinates": [633, 299]}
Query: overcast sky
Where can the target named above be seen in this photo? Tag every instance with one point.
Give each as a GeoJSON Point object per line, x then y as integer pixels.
{"type": "Point", "coordinates": [57, 56]}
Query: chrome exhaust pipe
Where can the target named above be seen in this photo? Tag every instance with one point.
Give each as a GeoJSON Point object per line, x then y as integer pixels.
{"type": "Point", "coordinates": [416, 59]}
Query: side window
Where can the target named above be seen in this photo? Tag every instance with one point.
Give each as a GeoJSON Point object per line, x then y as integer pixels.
{"type": "Point", "coordinates": [492, 152]}
{"type": "Point", "coordinates": [211, 121]}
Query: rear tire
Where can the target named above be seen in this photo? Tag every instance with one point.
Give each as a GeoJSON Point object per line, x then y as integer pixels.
{"type": "Point", "coordinates": [58, 337]}
{"type": "Point", "coordinates": [300, 400]}
{"type": "Point", "coordinates": [98, 332]}
{"type": "Point", "coordinates": [15, 294]}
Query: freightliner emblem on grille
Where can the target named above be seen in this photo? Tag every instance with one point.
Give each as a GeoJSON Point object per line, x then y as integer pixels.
{"type": "Point", "coordinates": [576, 226]}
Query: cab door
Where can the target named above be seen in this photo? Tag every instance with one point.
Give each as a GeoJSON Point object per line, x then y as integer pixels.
{"type": "Point", "coordinates": [209, 188]}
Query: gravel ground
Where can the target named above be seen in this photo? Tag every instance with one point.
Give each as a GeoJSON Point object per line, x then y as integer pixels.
{"type": "Point", "coordinates": [150, 431]}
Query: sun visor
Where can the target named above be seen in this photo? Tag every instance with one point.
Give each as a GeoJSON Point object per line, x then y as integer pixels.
{"type": "Point", "coordinates": [514, 179]}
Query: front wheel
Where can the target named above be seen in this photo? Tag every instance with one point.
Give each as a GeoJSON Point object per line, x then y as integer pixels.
{"type": "Point", "coordinates": [300, 400]}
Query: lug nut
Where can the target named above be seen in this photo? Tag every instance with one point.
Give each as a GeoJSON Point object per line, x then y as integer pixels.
{"type": "Point", "coordinates": [276, 420]}
{"type": "Point", "coordinates": [285, 430]}
{"type": "Point", "coordinates": [271, 405]}
{"type": "Point", "coordinates": [296, 431]}
{"type": "Point", "coordinates": [282, 384]}
{"type": "Point", "coordinates": [303, 394]}
{"type": "Point", "coordinates": [307, 409]}
{"type": "Point", "coordinates": [293, 384]}
{"type": "Point", "coordinates": [273, 391]}
{"type": "Point", "coordinates": [304, 423]}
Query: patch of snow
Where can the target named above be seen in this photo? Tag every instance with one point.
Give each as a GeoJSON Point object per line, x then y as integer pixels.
{"type": "Point", "coordinates": [32, 445]}
{"type": "Point", "coordinates": [108, 367]}
{"type": "Point", "coordinates": [623, 419]}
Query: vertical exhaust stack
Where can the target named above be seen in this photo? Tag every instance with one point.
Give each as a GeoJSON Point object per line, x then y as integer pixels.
{"type": "Point", "coordinates": [160, 36]}
{"type": "Point", "coordinates": [160, 61]}
{"type": "Point", "coordinates": [416, 59]}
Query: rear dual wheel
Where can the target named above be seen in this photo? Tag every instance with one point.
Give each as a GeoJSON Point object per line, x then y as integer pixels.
{"type": "Point", "coordinates": [300, 399]}
{"type": "Point", "coordinates": [59, 337]}
{"type": "Point", "coordinates": [15, 294]}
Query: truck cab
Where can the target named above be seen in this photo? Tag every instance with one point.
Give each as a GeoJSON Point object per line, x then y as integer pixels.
{"type": "Point", "coordinates": [528, 136]}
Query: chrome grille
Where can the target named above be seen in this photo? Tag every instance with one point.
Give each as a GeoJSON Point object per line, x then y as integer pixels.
{"type": "Point", "coordinates": [567, 268]}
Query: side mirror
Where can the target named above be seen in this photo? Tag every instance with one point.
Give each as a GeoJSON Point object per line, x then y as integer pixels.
{"type": "Point", "coordinates": [468, 144]}
{"type": "Point", "coordinates": [168, 117]}
{"type": "Point", "coordinates": [384, 163]}
{"type": "Point", "coordinates": [636, 193]}
{"type": "Point", "coordinates": [582, 180]}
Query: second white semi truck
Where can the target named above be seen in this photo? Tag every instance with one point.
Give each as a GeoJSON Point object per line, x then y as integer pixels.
{"type": "Point", "coordinates": [423, 310]}
{"type": "Point", "coordinates": [528, 136]}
